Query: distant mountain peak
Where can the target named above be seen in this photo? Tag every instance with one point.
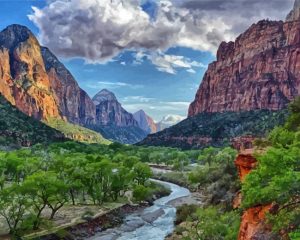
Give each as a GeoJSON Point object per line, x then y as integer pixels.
{"type": "Point", "coordinates": [104, 95]}
{"type": "Point", "coordinates": [145, 122]}
{"type": "Point", "coordinates": [14, 34]}
{"type": "Point", "coordinates": [295, 13]}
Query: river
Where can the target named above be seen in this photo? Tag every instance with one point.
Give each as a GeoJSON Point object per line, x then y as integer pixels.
{"type": "Point", "coordinates": [153, 223]}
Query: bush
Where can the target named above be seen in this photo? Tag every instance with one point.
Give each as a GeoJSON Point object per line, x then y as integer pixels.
{"type": "Point", "coordinates": [213, 223]}
{"type": "Point", "coordinates": [185, 212]}
{"type": "Point", "coordinates": [140, 193]}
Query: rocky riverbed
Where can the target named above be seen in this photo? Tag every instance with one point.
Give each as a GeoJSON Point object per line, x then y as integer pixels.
{"type": "Point", "coordinates": [152, 223]}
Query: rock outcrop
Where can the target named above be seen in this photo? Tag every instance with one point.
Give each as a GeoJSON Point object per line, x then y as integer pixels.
{"type": "Point", "coordinates": [260, 70]}
{"type": "Point", "coordinates": [33, 80]}
{"type": "Point", "coordinates": [253, 224]}
{"type": "Point", "coordinates": [145, 122]}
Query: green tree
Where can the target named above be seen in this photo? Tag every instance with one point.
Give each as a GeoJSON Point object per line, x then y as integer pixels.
{"type": "Point", "coordinates": [142, 172]}
{"type": "Point", "coordinates": [45, 189]}
{"type": "Point", "coordinates": [13, 206]}
{"type": "Point", "coordinates": [208, 155]}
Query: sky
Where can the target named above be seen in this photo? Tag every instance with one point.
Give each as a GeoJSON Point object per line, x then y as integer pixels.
{"type": "Point", "coordinates": [151, 53]}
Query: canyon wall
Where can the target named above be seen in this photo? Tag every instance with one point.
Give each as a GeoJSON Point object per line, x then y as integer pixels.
{"type": "Point", "coordinates": [260, 70]}
{"type": "Point", "coordinates": [33, 80]}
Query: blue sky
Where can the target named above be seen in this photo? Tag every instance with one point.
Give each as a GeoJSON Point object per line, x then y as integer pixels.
{"type": "Point", "coordinates": [142, 53]}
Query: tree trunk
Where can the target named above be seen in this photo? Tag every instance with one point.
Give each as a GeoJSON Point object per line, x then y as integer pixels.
{"type": "Point", "coordinates": [72, 196]}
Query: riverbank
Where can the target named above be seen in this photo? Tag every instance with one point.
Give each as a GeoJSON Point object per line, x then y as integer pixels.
{"type": "Point", "coordinates": [82, 222]}
{"type": "Point", "coordinates": [155, 222]}
{"type": "Point", "coordinates": [196, 197]}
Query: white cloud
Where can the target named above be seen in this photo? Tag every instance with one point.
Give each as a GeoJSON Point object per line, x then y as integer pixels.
{"type": "Point", "coordinates": [112, 85]}
{"type": "Point", "coordinates": [140, 99]}
{"type": "Point", "coordinates": [191, 71]}
{"type": "Point", "coordinates": [168, 63]}
{"type": "Point", "coordinates": [99, 30]}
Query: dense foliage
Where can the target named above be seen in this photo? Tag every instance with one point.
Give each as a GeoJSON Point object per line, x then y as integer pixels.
{"type": "Point", "coordinates": [207, 223]}
{"type": "Point", "coordinates": [17, 129]}
{"type": "Point", "coordinates": [49, 177]}
{"type": "Point", "coordinates": [277, 178]}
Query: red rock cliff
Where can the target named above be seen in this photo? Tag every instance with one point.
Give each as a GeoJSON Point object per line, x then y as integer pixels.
{"type": "Point", "coordinates": [33, 80]}
{"type": "Point", "coordinates": [260, 70]}
{"type": "Point", "coordinates": [253, 220]}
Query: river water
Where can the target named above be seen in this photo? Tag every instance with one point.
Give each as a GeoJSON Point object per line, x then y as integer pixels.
{"type": "Point", "coordinates": [153, 223]}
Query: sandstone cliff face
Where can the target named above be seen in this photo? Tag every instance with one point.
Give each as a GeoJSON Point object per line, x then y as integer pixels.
{"type": "Point", "coordinates": [33, 80]}
{"type": "Point", "coordinates": [260, 70]}
{"type": "Point", "coordinates": [74, 103]}
{"type": "Point", "coordinates": [23, 77]}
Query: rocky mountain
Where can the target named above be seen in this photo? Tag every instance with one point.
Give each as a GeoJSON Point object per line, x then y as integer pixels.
{"type": "Point", "coordinates": [168, 121]}
{"type": "Point", "coordinates": [74, 103]}
{"type": "Point", "coordinates": [113, 121]}
{"type": "Point", "coordinates": [145, 122]}
{"type": "Point", "coordinates": [259, 71]}
{"type": "Point", "coordinates": [294, 14]}
{"type": "Point", "coordinates": [110, 112]}
{"type": "Point", "coordinates": [33, 80]}
{"type": "Point", "coordinates": [38, 84]}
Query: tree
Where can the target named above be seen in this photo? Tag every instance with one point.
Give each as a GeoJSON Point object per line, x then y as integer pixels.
{"type": "Point", "coordinates": [13, 206]}
{"type": "Point", "coordinates": [293, 121]}
{"type": "Point", "coordinates": [227, 156]}
{"type": "Point", "coordinates": [207, 155]}
{"type": "Point", "coordinates": [142, 173]}
{"type": "Point", "coordinates": [45, 189]}
{"type": "Point", "coordinates": [212, 223]}
{"type": "Point", "coordinates": [121, 179]}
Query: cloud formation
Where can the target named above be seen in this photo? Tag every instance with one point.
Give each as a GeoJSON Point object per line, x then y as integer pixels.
{"type": "Point", "coordinates": [98, 30]}
{"type": "Point", "coordinates": [168, 63]}
{"type": "Point", "coordinates": [113, 85]}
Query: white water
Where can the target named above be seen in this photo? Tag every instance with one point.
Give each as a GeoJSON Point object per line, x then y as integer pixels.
{"type": "Point", "coordinates": [135, 228]}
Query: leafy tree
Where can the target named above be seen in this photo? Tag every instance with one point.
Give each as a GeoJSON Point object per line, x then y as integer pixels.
{"type": "Point", "coordinates": [212, 223]}
{"type": "Point", "coordinates": [293, 121]}
{"type": "Point", "coordinates": [142, 172]}
{"type": "Point", "coordinates": [13, 206]}
{"type": "Point", "coordinates": [45, 189]}
{"type": "Point", "coordinates": [208, 155]}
